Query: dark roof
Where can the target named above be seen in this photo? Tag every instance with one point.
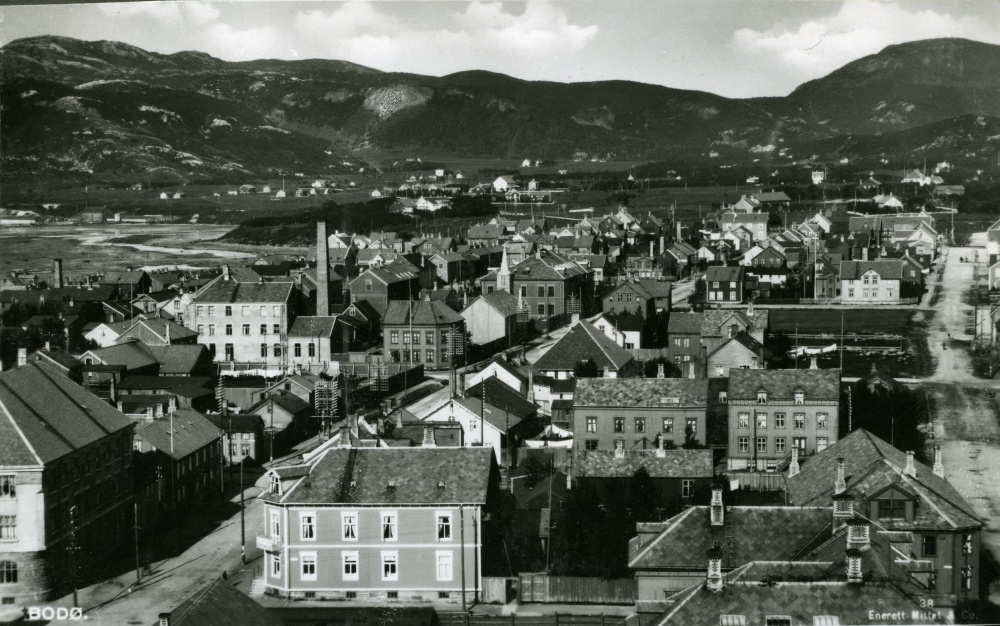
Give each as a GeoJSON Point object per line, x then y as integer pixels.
{"type": "Point", "coordinates": [500, 395]}
{"type": "Point", "coordinates": [625, 321]}
{"type": "Point", "coordinates": [284, 399]}
{"type": "Point", "coordinates": [131, 354]}
{"type": "Point", "coordinates": [419, 312]}
{"type": "Point", "coordinates": [870, 466]}
{"type": "Point", "coordinates": [237, 422]}
{"type": "Point", "coordinates": [123, 278]}
{"type": "Point", "coordinates": [500, 417]}
{"type": "Point", "coordinates": [312, 326]}
{"type": "Point", "coordinates": [243, 292]}
{"type": "Point", "coordinates": [502, 301]}
{"type": "Point", "coordinates": [408, 475]}
{"type": "Point", "coordinates": [640, 392]}
{"type": "Point", "coordinates": [158, 327]}
{"type": "Point", "coordinates": [854, 270]}
{"type": "Point", "coordinates": [58, 358]}
{"type": "Point", "coordinates": [192, 432]}
{"type": "Point", "coordinates": [179, 359]}
{"type": "Point", "coordinates": [673, 464]}
{"type": "Point", "coordinates": [715, 319]}
{"type": "Point", "coordinates": [185, 386]}
{"type": "Point", "coordinates": [583, 341]}
{"type": "Point", "coordinates": [657, 288]}
{"type": "Point", "coordinates": [724, 273]}
{"type": "Point", "coordinates": [547, 265]}
{"type": "Point", "coordinates": [781, 385]}
{"type": "Point", "coordinates": [685, 323]}
{"type": "Point", "coordinates": [44, 415]}
{"type": "Point", "coordinates": [744, 339]}
{"type": "Point", "coordinates": [218, 603]}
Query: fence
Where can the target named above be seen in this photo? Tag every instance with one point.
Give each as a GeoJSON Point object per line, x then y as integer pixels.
{"type": "Point", "coordinates": [498, 590]}
{"type": "Point", "coordinates": [758, 481]}
{"type": "Point", "coordinates": [575, 589]}
{"type": "Point", "coordinates": [460, 619]}
{"type": "Point", "coordinates": [648, 354]}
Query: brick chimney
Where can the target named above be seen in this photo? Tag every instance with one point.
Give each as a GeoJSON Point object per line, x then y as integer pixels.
{"type": "Point", "coordinates": [854, 574]}
{"type": "Point", "coordinates": [22, 356]}
{"type": "Point", "coordinates": [659, 371]}
{"type": "Point", "coordinates": [938, 465]}
{"type": "Point", "coordinates": [429, 437]}
{"type": "Point", "coordinates": [843, 510]}
{"type": "Point", "coordinates": [793, 465]}
{"type": "Point", "coordinates": [322, 271]}
{"type": "Point", "coordinates": [714, 579]}
{"type": "Point", "coordinates": [58, 278]}
{"type": "Point", "coordinates": [858, 534]}
{"type": "Point", "coordinates": [910, 469]}
{"type": "Point", "coordinates": [717, 510]}
{"type": "Point", "coordinates": [840, 486]}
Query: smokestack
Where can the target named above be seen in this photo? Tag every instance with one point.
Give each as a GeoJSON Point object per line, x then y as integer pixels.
{"type": "Point", "coordinates": [58, 280]}
{"type": "Point", "coordinates": [843, 510]}
{"type": "Point", "coordinates": [322, 271]}
{"type": "Point", "coordinates": [910, 469]}
{"type": "Point", "coordinates": [938, 465]}
{"type": "Point", "coordinates": [714, 579]}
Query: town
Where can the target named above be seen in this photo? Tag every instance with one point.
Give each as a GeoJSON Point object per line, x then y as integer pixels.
{"type": "Point", "coordinates": [500, 314]}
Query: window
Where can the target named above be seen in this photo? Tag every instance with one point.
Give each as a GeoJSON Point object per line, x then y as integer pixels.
{"type": "Point", "coordinates": [277, 310]}
{"type": "Point", "coordinates": [668, 424]}
{"type": "Point", "coordinates": [687, 488]}
{"type": "Point", "coordinates": [200, 310]}
{"type": "Point", "coordinates": [275, 522]}
{"type": "Point", "coordinates": [800, 421]}
{"type": "Point", "coordinates": [444, 525]}
{"type": "Point", "coordinates": [308, 565]}
{"type": "Point", "coordinates": [800, 443]}
{"type": "Point", "coordinates": [389, 526]}
{"type": "Point", "coordinates": [591, 424]}
{"type": "Point", "coordinates": [822, 443]}
{"type": "Point", "coordinates": [762, 421]}
{"type": "Point", "coordinates": [888, 292]}
{"type": "Point", "coordinates": [687, 343]}
{"type": "Point", "coordinates": [541, 309]}
{"type": "Point", "coordinates": [298, 349]}
{"type": "Point", "coordinates": [8, 527]}
{"type": "Point", "coordinates": [677, 343]}
{"type": "Point", "coordinates": [444, 568]}
{"type": "Point", "coordinates": [761, 397]}
{"type": "Point", "coordinates": [8, 572]}
{"type": "Point", "coordinates": [541, 291]}
{"type": "Point", "coordinates": [967, 544]}
{"type": "Point", "coordinates": [692, 426]}
{"type": "Point", "coordinates": [590, 444]}
{"type": "Point", "coordinates": [415, 356]}
{"type": "Point", "coordinates": [201, 331]}
{"type": "Point", "coordinates": [850, 293]}
{"type": "Point", "coordinates": [211, 330]}
{"type": "Point", "coordinates": [245, 311]}
{"type": "Point", "coordinates": [640, 425]}
{"type": "Point", "coordinates": [390, 559]}
{"type": "Point", "coordinates": [732, 296]}
{"type": "Point", "coordinates": [276, 329]}
{"type": "Point", "coordinates": [229, 329]}
{"type": "Point", "coordinates": [967, 578]}
{"type": "Point", "coordinates": [263, 349]}
{"type": "Point", "coordinates": [744, 420]}
{"type": "Point", "coordinates": [312, 349]}
{"type": "Point", "coordinates": [928, 545]}
{"type": "Point", "coordinates": [307, 526]}
{"type": "Point", "coordinates": [723, 397]}
{"type": "Point", "coordinates": [778, 620]}
{"type": "Point", "coordinates": [368, 285]}
{"type": "Point", "coordinates": [349, 525]}
{"type": "Point", "coordinates": [552, 292]}
{"type": "Point", "coordinates": [800, 397]}
{"type": "Point", "coordinates": [732, 620]}
{"type": "Point", "coordinates": [779, 444]}
{"type": "Point", "coordinates": [619, 424]}
{"type": "Point", "coordinates": [275, 565]}
{"type": "Point", "coordinates": [229, 311]}
{"type": "Point", "coordinates": [211, 311]}
{"type": "Point", "coordinates": [246, 330]}
{"type": "Point", "coordinates": [394, 336]}
{"type": "Point", "coordinates": [350, 565]}
{"type": "Point", "coordinates": [743, 444]}
{"type": "Point", "coordinates": [761, 444]}
{"type": "Point", "coordinates": [715, 285]}
{"type": "Point", "coordinates": [416, 338]}
{"type": "Point", "coordinates": [7, 488]}
{"type": "Point", "coordinates": [779, 420]}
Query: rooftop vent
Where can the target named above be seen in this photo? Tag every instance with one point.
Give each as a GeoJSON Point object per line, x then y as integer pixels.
{"type": "Point", "coordinates": [440, 484]}
{"type": "Point", "coordinates": [391, 484]}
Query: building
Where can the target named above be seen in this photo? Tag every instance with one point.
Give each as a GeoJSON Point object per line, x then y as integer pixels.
{"type": "Point", "coordinates": [491, 319]}
{"type": "Point", "coordinates": [382, 524]}
{"type": "Point", "coordinates": [548, 284]}
{"type": "Point", "coordinates": [684, 338]}
{"type": "Point", "coordinates": [584, 343]}
{"type": "Point", "coordinates": [677, 475]}
{"type": "Point", "coordinates": [242, 435]}
{"type": "Point", "coordinates": [634, 297]}
{"type": "Point", "coordinates": [739, 352]}
{"type": "Point", "coordinates": [217, 603]}
{"type": "Point", "coordinates": [624, 329]}
{"type": "Point", "coordinates": [504, 372]}
{"type": "Point", "coordinates": [772, 412]}
{"type": "Point", "coordinates": [637, 413]}
{"type": "Point", "coordinates": [312, 342]}
{"type": "Point", "coordinates": [487, 421]}
{"type": "Point", "coordinates": [417, 332]}
{"type": "Point", "coordinates": [870, 282]}
{"type": "Point", "coordinates": [65, 466]}
{"type": "Point", "coordinates": [889, 488]}
{"type": "Point", "coordinates": [720, 325]}
{"type": "Point", "coordinates": [245, 322]}
{"type": "Point", "coordinates": [380, 286]}
{"type": "Point", "coordinates": [724, 284]}
{"type": "Point", "coordinates": [158, 332]}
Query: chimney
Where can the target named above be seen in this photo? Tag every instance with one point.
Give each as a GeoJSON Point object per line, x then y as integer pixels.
{"type": "Point", "coordinates": [429, 437]}
{"type": "Point", "coordinates": [345, 438]}
{"type": "Point", "coordinates": [58, 279]}
{"type": "Point", "coordinates": [172, 403]}
{"type": "Point", "coordinates": [714, 579]}
{"type": "Point", "coordinates": [225, 272]}
{"type": "Point", "coordinates": [120, 405]}
{"type": "Point", "coordinates": [322, 271]}
{"type": "Point", "coordinates": [678, 231]}
{"type": "Point", "coordinates": [858, 534]}
{"type": "Point", "coordinates": [620, 449]}
{"type": "Point", "coordinates": [88, 282]}
{"type": "Point", "coordinates": [149, 412]}
{"type": "Point", "coordinates": [717, 510]}
{"type": "Point", "coordinates": [167, 327]}
{"type": "Point", "coordinates": [793, 466]}
{"type": "Point", "coordinates": [159, 410]}
{"type": "Point", "coordinates": [531, 386]}
{"type": "Point", "coordinates": [938, 465]}
{"type": "Point", "coordinates": [840, 486]}
{"type": "Point", "coordinates": [661, 448]}
{"type": "Point", "coordinates": [48, 346]}
{"type": "Point", "coordinates": [659, 371]}
{"type": "Point", "coordinates": [651, 253]}
{"type": "Point", "coordinates": [843, 510]}
{"type": "Point", "coordinates": [113, 392]}
{"type": "Point", "coordinates": [164, 619]}
{"type": "Point", "coordinates": [22, 356]}
{"type": "Point", "coordinates": [814, 362]}
{"type": "Point", "coordinates": [910, 469]}
{"type": "Point", "coordinates": [607, 372]}
{"type": "Point", "coordinates": [854, 574]}
{"type": "Point", "coordinates": [460, 392]}
{"type": "Point", "coordinates": [663, 241]}
{"type": "Point", "coordinates": [691, 369]}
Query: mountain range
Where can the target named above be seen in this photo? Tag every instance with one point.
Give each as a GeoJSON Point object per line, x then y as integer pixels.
{"type": "Point", "coordinates": [117, 111]}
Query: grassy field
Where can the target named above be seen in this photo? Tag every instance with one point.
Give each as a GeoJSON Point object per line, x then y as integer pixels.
{"type": "Point", "coordinates": [828, 321]}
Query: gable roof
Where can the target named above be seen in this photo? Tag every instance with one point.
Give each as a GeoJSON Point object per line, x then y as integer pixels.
{"type": "Point", "coordinates": [45, 415]}
{"type": "Point", "coordinates": [782, 384]}
{"type": "Point", "coordinates": [313, 326]}
{"type": "Point", "coordinates": [131, 354]}
{"type": "Point", "coordinates": [192, 431]}
{"type": "Point", "coordinates": [179, 359]}
{"type": "Point", "coordinates": [548, 265]}
{"type": "Point", "coordinates": [583, 341]}
{"type": "Point", "coordinates": [500, 418]}
{"type": "Point", "coordinates": [502, 301]}
{"type": "Point", "coordinates": [500, 395]}
{"type": "Point", "coordinates": [420, 312]}
{"type": "Point", "coordinates": [217, 603]}
{"type": "Point", "coordinates": [685, 323]}
{"type": "Point", "coordinates": [678, 463]}
{"type": "Point", "coordinates": [854, 270]}
{"type": "Point", "coordinates": [640, 392]}
{"type": "Point", "coordinates": [714, 319]}
{"type": "Point", "coordinates": [724, 273]}
{"type": "Point", "coordinates": [744, 339]}
{"type": "Point", "coordinates": [251, 292]}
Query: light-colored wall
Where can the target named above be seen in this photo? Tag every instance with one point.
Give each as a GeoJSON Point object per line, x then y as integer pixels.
{"type": "Point", "coordinates": [246, 348]}
{"type": "Point", "coordinates": [476, 431]}
{"type": "Point", "coordinates": [739, 460]}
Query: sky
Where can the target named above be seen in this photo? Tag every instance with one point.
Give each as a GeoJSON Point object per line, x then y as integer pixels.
{"type": "Point", "coordinates": [734, 48]}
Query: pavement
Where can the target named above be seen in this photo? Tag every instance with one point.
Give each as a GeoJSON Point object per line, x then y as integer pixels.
{"type": "Point", "coordinates": [967, 422]}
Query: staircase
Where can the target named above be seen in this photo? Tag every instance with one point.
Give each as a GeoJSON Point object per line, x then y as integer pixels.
{"type": "Point", "coordinates": [257, 586]}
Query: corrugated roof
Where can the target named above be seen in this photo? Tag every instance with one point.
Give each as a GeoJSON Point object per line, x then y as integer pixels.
{"type": "Point", "coordinates": [640, 392]}
{"type": "Point", "coordinates": [46, 415]}
{"type": "Point", "coordinates": [781, 385]}
{"type": "Point", "coordinates": [192, 431]}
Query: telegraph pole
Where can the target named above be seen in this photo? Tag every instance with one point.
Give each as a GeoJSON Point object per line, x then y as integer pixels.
{"type": "Point", "coordinates": [243, 523]}
{"type": "Point", "coordinates": [461, 522]}
{"type": "Point", "coordinates": [72, 552]}
{"type": "Point", "coordinates": [138, 575]}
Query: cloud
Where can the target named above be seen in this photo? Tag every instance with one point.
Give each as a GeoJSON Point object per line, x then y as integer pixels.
{"type": "Point", "coordinates": [170, 14]}
{"type": "Point", "coordinates": [482, 36]}
{"type": "Point", "coordinates": [861, 27]}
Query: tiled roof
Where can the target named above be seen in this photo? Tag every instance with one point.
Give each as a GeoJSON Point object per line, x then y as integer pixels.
{"type": "Point", "coordinates": [781, 385]}
{"type": "Point", "coordinates": [419, 312]}
{"type": "Point", "coordinates": [871, 464]}
{"type": "Point", "coordinates": [244, 292]}
{"type": "Point", "coordinates": [760, 533]}
{"type": "Point", "coordinates": [500, 417]}
{"type": "Point", "coordinates": [411, 475]}
{"type": "Point", "coordinates": [715, 319]}
{"type": "Point", "coordinates": [583, 341]}
{"type": "Point", "coordinates": [131, 354]}
{"type": "Point", "coordinates": [724, 273]}
{"type": "Point", "coordinates": [179, 359]}
{"type": "Point", "coordinates": [312, 326]}
{"type": "Point", "coordinates": [550, 266]}
{"type": "Point", "coordinates": [685, 323]}
{"type": "Point", "coordinates": [502, 301]}
{"type": "Point", "coordinates": [640, 392]}
{"type": "Point", "coordinates": [678, 463]}
{"type": "Point", "coordinates": [500, 395]}
{"type": "Point", "coordinates": [192, 431]}
{"type": "Point", "coordinates": [218, 603]}
{"type": "Point", "coordinates": [45, 415]}
{"type": "Point", "coordinates": [853, 270]}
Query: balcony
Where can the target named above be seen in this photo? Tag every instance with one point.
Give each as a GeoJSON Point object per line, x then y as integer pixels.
{"type": "Point", "coordinates": [269, 544]}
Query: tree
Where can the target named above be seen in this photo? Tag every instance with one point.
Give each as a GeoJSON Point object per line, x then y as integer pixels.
{"type": "Point", "coordinates": [650, 369]}
{"type": "Point", "coordinates": [690, 440]}
{"type": "Point", "coordinates": [779, 344]}
{"type": "Point", "coordinates": [642, 496]}
{"type": "Point", "coordinates": [534, 471]}
{"type": "Point", "coordinates": [586, 369]}
{"type": "Point", "coordinates": [889, 411]}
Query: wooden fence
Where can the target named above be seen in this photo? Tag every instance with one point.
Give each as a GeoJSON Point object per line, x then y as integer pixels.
{"type": "Point", "coordinates": [461, 619]}
{"type": "Point", "coordinates": [575, 589]}
{"type": "Point", "coordinates": [758, 481]}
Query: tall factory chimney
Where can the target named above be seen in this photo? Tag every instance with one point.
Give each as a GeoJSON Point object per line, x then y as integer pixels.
{"type": "Point", "coordinates": [58, 279]}
{"type": "Point", "coordinates": [322, 271]}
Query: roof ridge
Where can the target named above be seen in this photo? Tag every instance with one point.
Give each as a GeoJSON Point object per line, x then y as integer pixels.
{"type": "Point", "coordinates": [13, 422]}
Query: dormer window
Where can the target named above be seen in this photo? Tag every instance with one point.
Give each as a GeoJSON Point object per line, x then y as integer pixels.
{"type": "Point", "coordinates": [761, 397]}
{"type": "Point", "coordinates": [800, 397]}
{"type": "Point", "coordinates": [275, 487]}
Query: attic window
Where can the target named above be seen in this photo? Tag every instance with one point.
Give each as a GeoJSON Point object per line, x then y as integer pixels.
{"type": "Point", "coordinates": [761, 397]}
{"type": "Point", "coordinates": [391, 484]}
{"type": "Point", "coordinates": [275, 484]}
{"type": "Point", "coordinates": [732, 620]}
{"type": "Point", "coordinates": [440, 484]}
{"type": "Point", "coordinates": [670, 400]}
{"type": "Point", "coordinates": [800, 397]}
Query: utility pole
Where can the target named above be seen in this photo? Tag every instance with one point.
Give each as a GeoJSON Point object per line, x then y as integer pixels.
{"type": "Point", "coordinates": [72, 552]}
{"type": "Point", "coordinates": [461, 522]}
{"type": "Point", "coordinates": [243, 523]}
{"type": "Point", "coordinates": [138, 575]}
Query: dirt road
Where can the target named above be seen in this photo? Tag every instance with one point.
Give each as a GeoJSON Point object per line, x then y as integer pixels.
{"type": "Point", "coordinates": [967, 424]}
